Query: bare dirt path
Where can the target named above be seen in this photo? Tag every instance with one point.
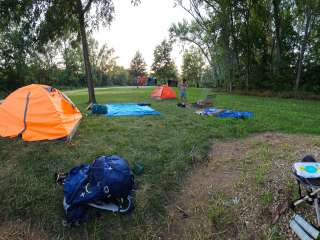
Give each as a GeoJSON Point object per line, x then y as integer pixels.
{"type": "Point", "coordinates": [238, 193]}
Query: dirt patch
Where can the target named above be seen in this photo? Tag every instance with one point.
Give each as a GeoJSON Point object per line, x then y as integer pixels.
{"type": "Point", "coordinates": [237, 194]}
{"type": "Point", "coordinates": [21, 231]}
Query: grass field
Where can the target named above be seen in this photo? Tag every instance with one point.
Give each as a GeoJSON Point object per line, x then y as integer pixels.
{"type": "Point", "coordinates": [168, 145]}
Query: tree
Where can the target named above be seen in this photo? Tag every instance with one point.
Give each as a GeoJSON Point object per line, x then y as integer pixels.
{"type": "Point", "coordinates": [106, 59]}
{"type": "Point", "coordinates": [310, 10]}
{"type": "Point", "coordinates": [163, 66]}
{"type": "Point", "coordinates": [212, 29]}
{"type": "Point", "coordinates": [72, 62]}
{"type": "Point", "coordinates": [119, 76]}
{"type": "Point", "coordinates": [253, 44]}
{"type": "Point", "coordinates": [73, 16]}
{"type": "Point", "coordinates": [263, 45]}
{"type": "Point", "coordinates": [137, 65]}
{"type": "Point", "coordinates": [52, 19]}
{"type": "Point", "coordinates": [278, 39]}
{"type": "Point", "coordinates": [15, 53]}
{"type": "Point", "coordinates": [105, 63]}
{"type": "Point", "coordinates": [193, 66]}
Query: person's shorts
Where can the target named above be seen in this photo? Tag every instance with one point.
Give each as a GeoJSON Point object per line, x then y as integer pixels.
{"type": "Point", "coordinates": [183, 94]}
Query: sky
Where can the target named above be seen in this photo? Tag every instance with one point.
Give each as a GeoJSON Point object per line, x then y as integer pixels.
{"type": "Point", "coordinates": [141, 28]}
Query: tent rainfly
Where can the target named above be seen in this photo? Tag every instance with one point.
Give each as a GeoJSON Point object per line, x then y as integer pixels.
{"type": "Point", "coordinates": [38, 112]}
{"type": "Point", "coordinates": [163, 92]}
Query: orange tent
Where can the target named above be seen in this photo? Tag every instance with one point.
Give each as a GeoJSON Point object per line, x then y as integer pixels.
{"type": "Point", "coordinates": [38, 112]}
{"type": "Point", "coordinates": [163, 92]}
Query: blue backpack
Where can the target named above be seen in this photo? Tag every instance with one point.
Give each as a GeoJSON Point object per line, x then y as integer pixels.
{"type": "Point", "coordinates": [107, 179]}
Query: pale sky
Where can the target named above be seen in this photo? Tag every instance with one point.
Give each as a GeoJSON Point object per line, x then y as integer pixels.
{"type": "Point", "coordinates": [141, 28]}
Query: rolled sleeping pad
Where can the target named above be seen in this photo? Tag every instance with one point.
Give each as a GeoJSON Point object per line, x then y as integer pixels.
{"type": "Point", "coordinates": [299, 231]}
{"type": "Point", "coordinates": [144, 104]}
{"type": "Point", "coordinates": [99, 109]}
{"type": "Point", "coordinates": [311, 230]}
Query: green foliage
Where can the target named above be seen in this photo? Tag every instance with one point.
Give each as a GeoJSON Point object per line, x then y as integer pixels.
{"type": "Point", "coordinates": [275, 235]}
{"type": "Point", "coordinates": [137, 68]}
{"type": "Point", "coordinates": [192, 67]}
{"type": "Point", "coordinates": [73, 64]}
{"type": "Point", "coordinates": [62, 17]}
{"type": "Point", "coordinates": [219, 212]}
{"type": "Point", "coordinates": [51, 20]}
{"type": "Point", "coordinates": [266, 198]}
{"type": "Point", "coordinates": [14, 53]}
{"type": "Point", "coordinates": [163, 67]}
{"type": "Point", "coordinates": [137, 65]}
{"type": "Point", "coordinates": [255, 44]}
{"type": "Point", "coordinates": [34, 34]}
{"type": "Point", "coordinates": [20, 67]}
{"type": "Point", "coordinates": [106, 59]}
{"type": "Point", "coordinates": [120, 76]}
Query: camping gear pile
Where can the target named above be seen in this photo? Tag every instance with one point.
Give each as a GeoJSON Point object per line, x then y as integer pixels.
{"type": "Point", "coordinates": [38, 112]}
{"type": "Point", "coordinates": [152, 81]}
{"type": "Point", "coordinates": [182, 105]}
{"type": "Point", "coordinates": [207, 102]}
{"type": "Point", "coordinates": [106, 184]}
{"type": "Point", "coordinates": [307, 174]}
{"type": "Point", "coordinates": [224, 113]}
{"type": "Point", "coordinates": [163, 92]}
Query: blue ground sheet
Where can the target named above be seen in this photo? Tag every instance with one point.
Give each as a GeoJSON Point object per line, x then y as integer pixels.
{"type": "Point", "coordinates": [130, 109]}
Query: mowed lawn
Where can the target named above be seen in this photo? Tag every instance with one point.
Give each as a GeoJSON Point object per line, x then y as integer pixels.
{"type": "Point", "coordinates": [168, 146]}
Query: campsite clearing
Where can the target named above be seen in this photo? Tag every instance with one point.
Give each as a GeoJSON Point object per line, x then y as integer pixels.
{"type": "Point", "coordinates": [168, 145]}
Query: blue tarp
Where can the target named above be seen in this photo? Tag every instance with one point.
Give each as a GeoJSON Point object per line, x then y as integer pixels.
{"type": "Point", "coordinates": [225, 113]}
{"type": "Point", "coordinates": [130, 109]}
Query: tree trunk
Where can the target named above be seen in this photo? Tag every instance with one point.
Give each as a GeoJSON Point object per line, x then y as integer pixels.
{"type": "Point", "coordinates": [233, 45]}
{"type": "Point", "coordinates": [277, 23]}
{"type": "Point", "coordinates": [248, 46]}
{"type": "Point", "coordinates": [303, 48]}
{"type": "Point", "coordinates": [88, 69]}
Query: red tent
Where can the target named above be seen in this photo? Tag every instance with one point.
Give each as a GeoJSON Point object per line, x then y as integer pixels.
{"type": "Point", "coordinates": [163, 92]}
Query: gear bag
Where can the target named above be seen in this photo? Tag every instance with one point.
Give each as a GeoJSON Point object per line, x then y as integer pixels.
{"type": "Point", "coordinates": [107, 178]}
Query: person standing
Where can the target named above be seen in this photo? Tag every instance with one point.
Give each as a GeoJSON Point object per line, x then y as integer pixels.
{"type": "Point", "coordinates": [182, 91]}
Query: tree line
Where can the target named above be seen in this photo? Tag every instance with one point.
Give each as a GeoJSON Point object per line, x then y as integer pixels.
{"type": "Point", "coordinates": [28, 26]}
{"type": "Point", "coordinates": [45, 41]}
{"type": "Point", "coordinates": [256, 44]}
{"type": "Point", "coordinates": [230, 44]}
{"type": "Point", "coordinates": [61, 63]}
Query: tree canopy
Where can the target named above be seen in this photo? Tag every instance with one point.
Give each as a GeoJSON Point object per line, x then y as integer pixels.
{"type": "Point", "coordinates": [138, 65]}
{"type": "Point", "coordinates": [50, 20]}
{"type": "Point", "coordinates": [248, 45]}
{"type": "Point", "coordinates": [193, 66]}
{"type": "Point", "coordinates": [255, 44]}
{"type": "Point", "coordinates": [163, 67]}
